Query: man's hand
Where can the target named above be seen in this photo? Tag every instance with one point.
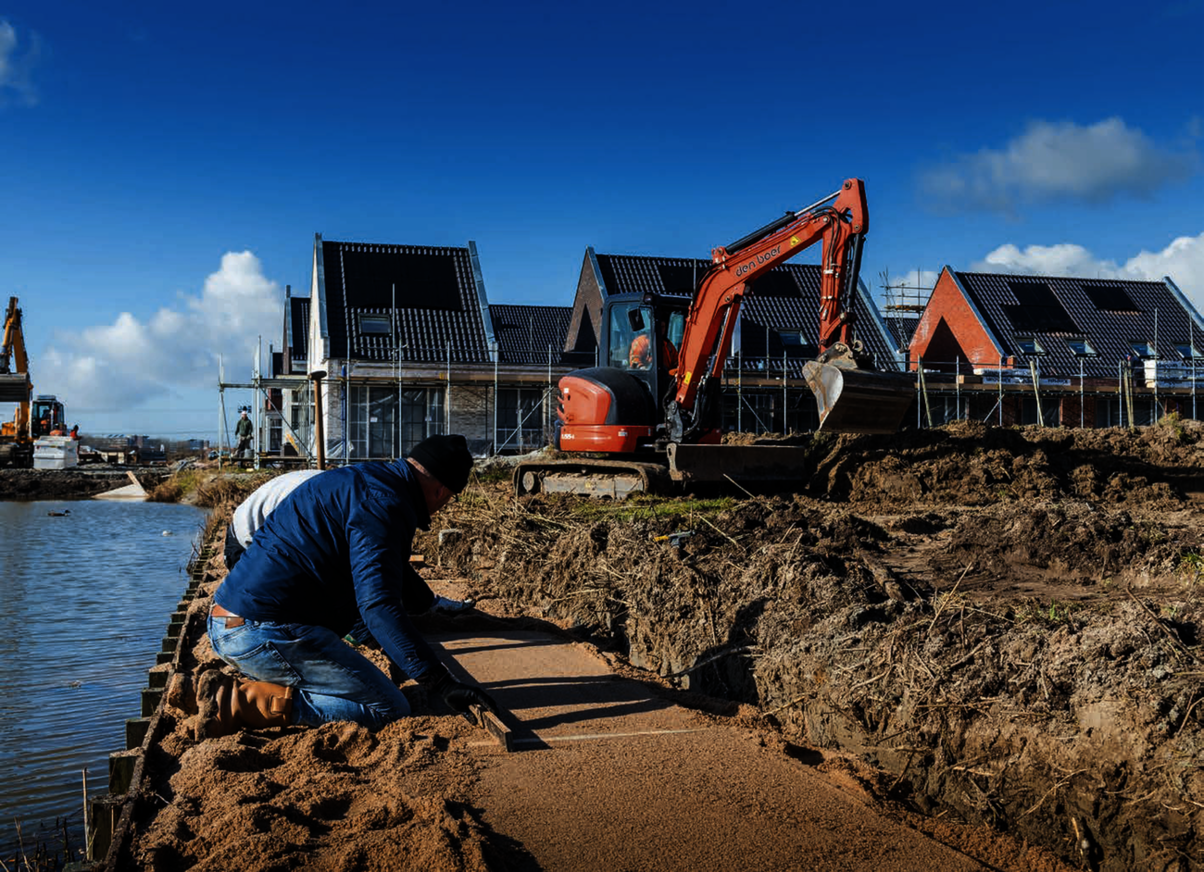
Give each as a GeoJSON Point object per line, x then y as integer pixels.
{"type": "Point", "coordinates": [461, 697]}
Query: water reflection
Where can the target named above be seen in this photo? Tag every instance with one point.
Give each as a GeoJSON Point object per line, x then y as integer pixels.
{"type": "Point", "coordinates": [85, 598]}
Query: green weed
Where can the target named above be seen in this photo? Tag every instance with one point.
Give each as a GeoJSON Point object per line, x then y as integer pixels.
{"type": "Point", "coordinates": [1054, 614]}
{"type": "Point", "coordinates": [649, 508]}
{"type": "Point", "coordinates": [1191, 568]}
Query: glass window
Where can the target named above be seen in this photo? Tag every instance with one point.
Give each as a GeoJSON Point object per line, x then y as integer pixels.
{"type": "Point", "coordinates": [384, 425]}
{"type": "Point", "coordinates": [1187, 351]}
{"type": "Point", "coordinates": [375, 324]}
{"type": "Point", "coordinates": [1141, 348]}
{"type": "Point", "coordinates": [421, 415]}
{"type": "Point", "coordinates": [520, 422]}
{"type": "Point", "coordinates": [1080, 347]}
{"type": "Point", "coordinates": [1029, 347]}
{"type": "Point", "coordinates": [372, 422]}
{"type": "Point", "coordinates": [677, 328]}
{"type": "Point", "coordinates": [630, 336]}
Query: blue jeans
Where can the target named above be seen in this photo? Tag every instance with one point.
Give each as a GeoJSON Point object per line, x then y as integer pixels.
{"type": "Point", "coordinates": [332, 681]}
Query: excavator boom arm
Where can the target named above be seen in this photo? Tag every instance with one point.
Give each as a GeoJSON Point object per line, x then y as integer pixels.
{"type": "Point", "coordinates": [712, 319]}
{"type": "Point", "coordinates": [12, 351]}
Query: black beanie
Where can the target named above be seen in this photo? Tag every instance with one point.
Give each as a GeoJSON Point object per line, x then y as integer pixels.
{"type": "Point", "coordinates": [447, 458]}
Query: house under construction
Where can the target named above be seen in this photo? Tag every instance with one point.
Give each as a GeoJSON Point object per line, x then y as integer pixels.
{"type": "Point", "coordinates": [399, 342]}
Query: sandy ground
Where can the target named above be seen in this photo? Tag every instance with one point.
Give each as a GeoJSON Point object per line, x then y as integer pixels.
{"type": "Point", "coordinates": [611, 769]}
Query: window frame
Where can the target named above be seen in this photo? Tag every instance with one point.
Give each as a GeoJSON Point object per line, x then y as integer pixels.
{"type": "Point", "coordinates": [377, 321]}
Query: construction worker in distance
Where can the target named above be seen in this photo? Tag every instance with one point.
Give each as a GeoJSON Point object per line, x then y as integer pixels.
{"type": "Point", "coordinates": [75, 432]}
{"type": "Point", "coordinates": [328, 558]}
{"type": "Point", "coordinates": [58, 430]}
{"type": "Point", "coordinates": [243, 430]}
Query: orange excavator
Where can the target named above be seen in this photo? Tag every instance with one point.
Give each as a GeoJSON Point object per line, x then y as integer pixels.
{"type": "Point", "coordinates": [650, 416]}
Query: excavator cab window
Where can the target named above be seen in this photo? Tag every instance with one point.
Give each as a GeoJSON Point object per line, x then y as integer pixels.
{"type": "Point", "coordinates": [675, 328]}
{"type": "Point", "coordinates": [630, 340]}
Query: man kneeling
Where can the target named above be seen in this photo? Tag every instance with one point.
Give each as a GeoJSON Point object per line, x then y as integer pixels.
{"type": "Point", "coordinates": [330, 558]}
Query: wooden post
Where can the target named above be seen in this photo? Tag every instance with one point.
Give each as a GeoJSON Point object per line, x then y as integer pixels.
{"type": "Point", "coordinates": [319, 437]}
{"type": "Point", "coordinates": [1032, 368]}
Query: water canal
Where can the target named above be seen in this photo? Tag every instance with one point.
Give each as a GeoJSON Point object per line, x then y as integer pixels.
{"type": "Point", "coordinates": [85, 598]}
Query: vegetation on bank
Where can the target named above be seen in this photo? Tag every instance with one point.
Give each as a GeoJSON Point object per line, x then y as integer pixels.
{"type": "Point", "coordinates": [207, 488]}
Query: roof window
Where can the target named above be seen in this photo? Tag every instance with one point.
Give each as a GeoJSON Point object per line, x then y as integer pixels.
{"type": "Point", "coordinates": [1080, 348]}
{"type": "Point", "coordinates": [1037, 309]}
{"type": "Point", "coordinates": [1030, 347]}
{"type": "Point", "coordinates": [1109, 297]}
{"type": "Point", "coordinates": [377, 325]}
{"type": "Point", "coordinates": [1187, 351]}
{"type": "Point", "coordinates": [1141, 348]}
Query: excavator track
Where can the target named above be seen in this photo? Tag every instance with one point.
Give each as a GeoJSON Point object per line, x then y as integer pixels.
{"type": "Point", "coordinates": [685, 466]}
{"type": "Point", "coordinates": [617, 479]}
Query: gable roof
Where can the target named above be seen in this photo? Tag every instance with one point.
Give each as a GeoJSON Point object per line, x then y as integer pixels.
{"type": "Point", "coordinates": [1109, 314]}
{"type": "Point", "coordinates": [901, 327]}
{"type": "Point", "coordinates": [785, 300]}
{"type": "Point", "coordinates": [526, 333]}
{"type": "Point", "coordinates": [428, 303]}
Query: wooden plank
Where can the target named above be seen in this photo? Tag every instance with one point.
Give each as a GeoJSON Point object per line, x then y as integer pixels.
{"type": "Point", "coordinates": [493, 724]}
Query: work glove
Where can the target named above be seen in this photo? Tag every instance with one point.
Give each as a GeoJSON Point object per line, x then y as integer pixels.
{"type": "Point", "coordinates": [459, 696]}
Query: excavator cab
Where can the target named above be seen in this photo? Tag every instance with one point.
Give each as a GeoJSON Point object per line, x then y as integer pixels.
{"type": "Point", "coordinates": [47, 414]}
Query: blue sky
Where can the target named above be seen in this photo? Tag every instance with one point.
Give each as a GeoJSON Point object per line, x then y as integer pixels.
{"type": "Point", "coordinates": [168, 166]}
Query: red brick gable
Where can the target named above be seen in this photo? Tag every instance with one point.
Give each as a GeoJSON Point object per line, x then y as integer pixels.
{"type": "Point", "coordinates": [950, 330]}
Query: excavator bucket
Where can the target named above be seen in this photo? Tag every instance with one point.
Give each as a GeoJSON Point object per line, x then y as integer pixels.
{"type": "Point", "coordinates": [855, 400]}
{"type": "Point", "coordinates": [14, 387]}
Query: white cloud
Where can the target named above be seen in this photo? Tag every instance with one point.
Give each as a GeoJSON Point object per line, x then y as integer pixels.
{"type": "Point", "coordinates": [916, 278]}
{"type": "Point", "coordinates": [1062, 161]}
{"type": "Point", "coordinates": [131, 363]}
{"type": "Point", "coordinates": [1182, 260]}
{"type": "Point", "coordinates": [16, 62]}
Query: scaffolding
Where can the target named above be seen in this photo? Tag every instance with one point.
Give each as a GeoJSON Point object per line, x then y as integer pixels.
{"type": "Point", "coordinates": [759, 395]}
{"type": "Point", "coordinates": [465, 397]}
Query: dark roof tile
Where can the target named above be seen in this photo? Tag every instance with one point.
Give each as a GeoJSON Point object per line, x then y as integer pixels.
{"type": "Point", "coordinates": [1110, 314]}
{"type": "Point", "coordinates": [438, 310]}
{"type": "Point", "coordinates": [298, 337]}
{"type": "Point", "coordinates": [525, 333]}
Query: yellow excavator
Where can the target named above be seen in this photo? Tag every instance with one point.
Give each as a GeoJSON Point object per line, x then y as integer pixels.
{"type": "Point", "coordinates": [34, 417]}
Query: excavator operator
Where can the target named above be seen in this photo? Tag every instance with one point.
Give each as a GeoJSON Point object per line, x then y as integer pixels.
{"type": "Point", "coordinates": [640, 355]}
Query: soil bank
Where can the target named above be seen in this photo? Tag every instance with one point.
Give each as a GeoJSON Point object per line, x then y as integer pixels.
{"type": "Point", "coordinates": [993, 633]}
{"type": "Point", "coordinates": [72, 484]}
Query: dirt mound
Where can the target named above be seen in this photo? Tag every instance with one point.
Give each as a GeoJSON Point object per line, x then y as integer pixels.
{"type": "Point", "coordinates": [335, 797]}
{"type": "Point", "coordinates": [971, 464]}
{"type": "Point", "coordinates": [982, 617]}
{"type": "Point", "coordinates": [1003, 627]}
